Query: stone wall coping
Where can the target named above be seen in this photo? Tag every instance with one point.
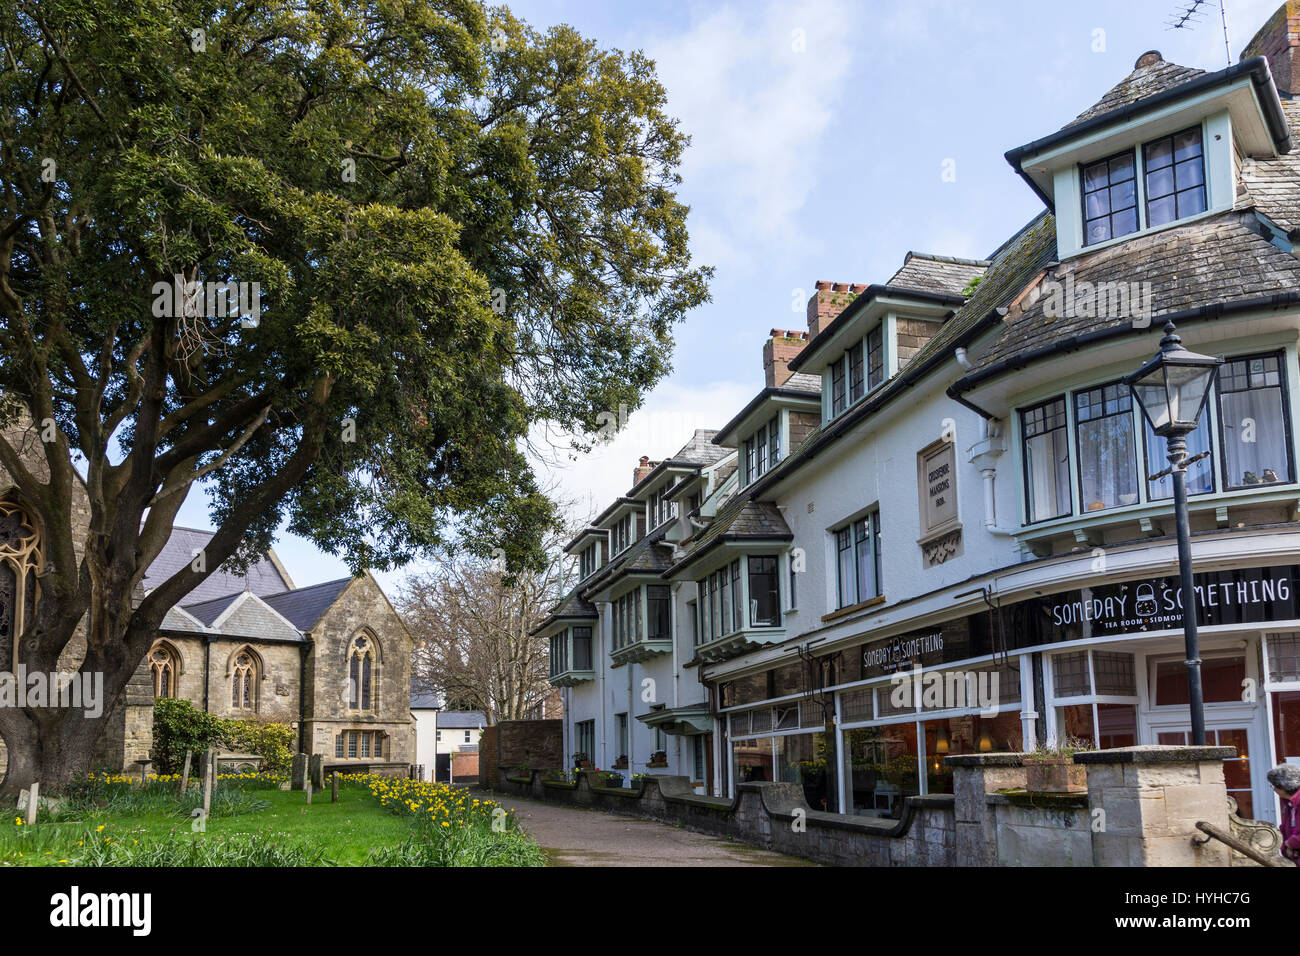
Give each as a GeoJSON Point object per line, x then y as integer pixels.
{"type": "Point", "coordinates": [1041, 801]}
{"type": "Point", "coordinates": [1155, 754]}
{"type": "Point", "coordinates": [984, 760]}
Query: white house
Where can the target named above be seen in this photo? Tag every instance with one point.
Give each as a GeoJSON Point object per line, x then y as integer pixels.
{"type": "Point", "coordinates": [945, 480]}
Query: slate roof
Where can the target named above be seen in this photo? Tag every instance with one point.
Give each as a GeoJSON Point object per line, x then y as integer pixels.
{"type": "Point", "coordinates": [422, 701]}
{"type": "Point", "coordinates": [1220, 259]}
{"type": "Point", "coordinates": [209, 611]}
{"type": "Point", "coordinates": [804, 382]}
{"type": "Point", "coordinates": [461, 720]}
{"type": "Point", "coordinates": [946, 274]}
{"type": "Point", "coordinates": [572, 605]}
{"type": "Point", "coordinates": [1141, 83]}
{"type": "Point", "coordinates": [1273, 185]}
{"type": "Point", "coordinates": [261, 578]}
{"type": "Point", "coordinates": [700, 449]}
{"type": "Point", "coordinates": [304, 607]}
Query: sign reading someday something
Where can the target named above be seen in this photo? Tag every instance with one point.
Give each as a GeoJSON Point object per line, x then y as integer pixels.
{"type": "Point", "coordinates": [1246, 596]}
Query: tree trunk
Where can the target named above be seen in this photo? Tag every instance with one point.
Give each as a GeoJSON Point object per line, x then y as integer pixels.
{"type": "Point", "coordinates": [55, 750]}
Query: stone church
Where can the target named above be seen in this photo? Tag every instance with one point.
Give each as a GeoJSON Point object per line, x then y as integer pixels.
{"type": "Point", "coordinates": [332, 660]}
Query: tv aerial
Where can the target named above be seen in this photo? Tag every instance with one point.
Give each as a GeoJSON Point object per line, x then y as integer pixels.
{"type": "Point", "coordinates": [1191, 12]}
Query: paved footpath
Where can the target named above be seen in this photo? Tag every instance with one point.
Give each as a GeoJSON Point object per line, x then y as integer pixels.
{"type": "Point", "coordinates": [573, 836]}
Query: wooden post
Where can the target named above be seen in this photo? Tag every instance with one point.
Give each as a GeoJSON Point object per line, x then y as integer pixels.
{"type": "Point", "coordinates": [334, 787]}
{"type": "Point", "coordinates": [209, 772]}
{"type": "Point", "coordinates": [308, 791]}
{"type": "Point", "coordinates": [33, 802]}
{"type": "Point", "coordinates": [185, 773]}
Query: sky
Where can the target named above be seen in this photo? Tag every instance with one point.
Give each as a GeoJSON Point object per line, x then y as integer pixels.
{"type": "Point", "coordinates": [829, 138]}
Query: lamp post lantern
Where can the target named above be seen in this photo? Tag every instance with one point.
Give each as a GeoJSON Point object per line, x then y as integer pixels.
{"type": "Point", "coordinates": [1171, 389]}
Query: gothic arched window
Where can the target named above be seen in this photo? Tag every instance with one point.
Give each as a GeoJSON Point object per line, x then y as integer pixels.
{"type": "Point", "coordinates": [243, 684]}
{"type": "Point", "coordinates": [361, 668]}
{"type": "Point", "coordinates": [163, 668]}
{"type": "Point", "coordinates": [20, 559]}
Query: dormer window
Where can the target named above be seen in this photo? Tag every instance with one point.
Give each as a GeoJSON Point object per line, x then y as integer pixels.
{"type": "Point", "coordinates": [1172, 187]}
{"type": "Point", "coordinates": [588, 560]}
{"type": "Point", "coordinates": [859, 370]}
{"type": "Point", "coordinates": [662, 509]}
{"type": "Point", "coordinates": [763, 449]}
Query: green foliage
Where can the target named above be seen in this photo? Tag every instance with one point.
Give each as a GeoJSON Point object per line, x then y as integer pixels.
{"type": "Point", "coordinates": [454, 239]}
{"type": "Point", "coordinates": [178, 726]}
{"type": "Point", "coordinates": [273, 742]}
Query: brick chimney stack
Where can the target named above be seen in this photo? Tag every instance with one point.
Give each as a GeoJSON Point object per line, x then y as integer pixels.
{"type": "Point", "coordinates": [1277, 40]}
{"type": "Point", "coordinates": [830, 300]}
{"type": "Point", "coordinates": [644, 468]}
{"type": "Point", "coordinates": [777, 353]}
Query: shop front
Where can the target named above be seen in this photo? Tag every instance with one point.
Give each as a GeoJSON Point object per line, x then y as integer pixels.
{"type": "Point", "coordinates": [1102, 666]}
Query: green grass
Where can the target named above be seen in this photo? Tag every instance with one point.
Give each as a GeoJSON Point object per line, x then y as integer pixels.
{"type": "Point", "coordinates": [116, 825]}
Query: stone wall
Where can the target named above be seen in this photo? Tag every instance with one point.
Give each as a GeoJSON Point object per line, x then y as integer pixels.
{"type": "Point", "coordinates": [1141, 808]}
{"type": "Point", "coordinates": [489, 758]}
{"type": "Point", "coordinates": [530, 743]}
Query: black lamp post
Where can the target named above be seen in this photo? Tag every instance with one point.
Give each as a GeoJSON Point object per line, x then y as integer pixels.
{"type": "Point", "coordinates": [1171, 390]}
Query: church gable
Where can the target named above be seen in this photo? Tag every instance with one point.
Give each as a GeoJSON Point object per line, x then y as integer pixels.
{"type": "Point", "coordinates": [248, 616]}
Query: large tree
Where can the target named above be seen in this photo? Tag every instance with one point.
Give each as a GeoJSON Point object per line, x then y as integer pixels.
{"type": "Point", "coordinates": [458, 225]}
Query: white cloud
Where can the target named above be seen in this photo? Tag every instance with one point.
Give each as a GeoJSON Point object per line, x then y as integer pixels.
{"type": "Point", "coordinates": [670, 415]}
{"type": "Point", "coordinates": [758, 110]}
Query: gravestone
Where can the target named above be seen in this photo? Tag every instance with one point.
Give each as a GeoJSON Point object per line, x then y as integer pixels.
{"type": "Point", "coordinates": [334, 787]}
{"type": "Point", "coordinates": [185, 772]}
{"type": "Point", "coordinates": [308, 788]}
{"type": "Point", "coordinates": [298, 778]}
{"type": "Point", "coordinates": [318, 771]}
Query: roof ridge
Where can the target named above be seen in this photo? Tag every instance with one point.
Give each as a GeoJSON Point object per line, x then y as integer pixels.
{"type": "Point", "coordinates": [309, 587]}
{"type": "Point", "coordinates": [934, 257]}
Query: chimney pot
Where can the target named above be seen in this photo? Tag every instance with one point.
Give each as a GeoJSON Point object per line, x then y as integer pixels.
{"type": "Point", "coordinates": [1149, 58]}
{"type": "Point", "coordinates": [822, 307]}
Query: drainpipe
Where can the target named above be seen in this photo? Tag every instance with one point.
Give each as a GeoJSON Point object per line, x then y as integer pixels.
{"type": "Point", "coordinates": [302, 692]}
{"type": "Point", "coordinates": [207, 668]}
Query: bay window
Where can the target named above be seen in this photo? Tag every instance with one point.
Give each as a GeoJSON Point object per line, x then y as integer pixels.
{"type": "Point", "coordinates": [1107, 449]}
{"type": "Point", "coordinates": [1047, 460]}
{"type": "Point", "coordinates": [626, 612]}
{"type": "Point", "coordinates": [857, 550]}
{"type": "Point", "coordinates": [1255, 432]}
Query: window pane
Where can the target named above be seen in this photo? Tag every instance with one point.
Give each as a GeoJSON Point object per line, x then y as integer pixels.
{"type": "Point", "coordinates": [736, 598]}
{"type": "Point", "coordinates": [844, 549]}
{"type": "Point", "coordinates": [1221, 680]}
{"type": "Point", "coordinates": [1175, 177]}
{"type": "Point", "coordinates": [1070, 675]}
{"type": "Point", "coordinates": [866, 569]}
{"type": "Point", "coordinates": [1047, 461]}
{"type": "Point", "coordinates": [724, 589]}
{"type": "Point", "coordinates": [1107, 455]}
{"type": "Point", "coordinates": [1256, 446]}
{"type": "Point", "coordinates": [1200, 474]}
{"type": "Point", "coordinates": [880, 769]}
{"type": "Point", "coordinates": [1114, 673]}
{"type": "Point", "coordinates": [764, 599]}
{"type": "Point", "coordinates": [1109, 198]}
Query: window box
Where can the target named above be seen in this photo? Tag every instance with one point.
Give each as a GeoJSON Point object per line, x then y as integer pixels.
{"type": "Point", "coordinates": [658, 759]}
{"type": "Point", "coordinates": [620, 764]}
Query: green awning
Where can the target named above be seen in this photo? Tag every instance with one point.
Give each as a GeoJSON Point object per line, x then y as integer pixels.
{"type": "Point", "coordinates": [687, 720]}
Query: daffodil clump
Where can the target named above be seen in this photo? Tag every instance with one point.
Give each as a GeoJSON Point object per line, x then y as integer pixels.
{"type": "Point", "coordinates": [454, 827]}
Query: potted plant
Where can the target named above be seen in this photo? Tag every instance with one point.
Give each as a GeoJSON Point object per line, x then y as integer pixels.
{"type": "Point", "coordinates": [581, 761]}
{"type": "Point", "coordinates": [1053, 770]}
{"type": "Point", "coordinates": [620, 763]}
{"type": "Point", "coordinates": [658, 759]}
{"type": "Point", "coordinates": [613, 780]}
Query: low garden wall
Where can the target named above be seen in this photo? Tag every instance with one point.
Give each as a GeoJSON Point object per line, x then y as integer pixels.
{"type": "Point", "coordinates": [1141, 808]}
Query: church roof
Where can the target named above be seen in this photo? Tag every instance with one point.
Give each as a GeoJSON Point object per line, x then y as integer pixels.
{"type": "Point", "coordinates": [305, 606]}
{"type": "Point", "coordinates": [262, 578]}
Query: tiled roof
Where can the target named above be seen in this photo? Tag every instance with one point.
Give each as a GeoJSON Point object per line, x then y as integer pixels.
{"type": "Point", "coordinates": [1144, 81]}
{"type": "Point", "coordinates": [261, 578]}
{"type": "Point", "coordinates": [1220, 259]}
{"type": "Point", "coordinates": [423, 701]}
{"type": "Point", "coordinates": [304, 607]}
{"type": "Point", "coordinates": [1273, 185]}
{"type": "Point", "coordinates": [946, 274]}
